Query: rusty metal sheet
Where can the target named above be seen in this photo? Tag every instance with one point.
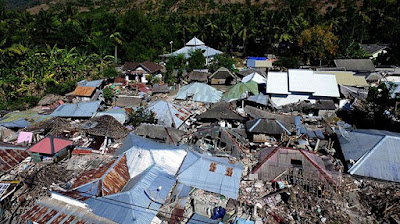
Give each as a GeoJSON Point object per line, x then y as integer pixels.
{"type": "Point", "coordinates": [59, 218]}
{"type": "Point", "coordinates": [116, 179]}
{"type": "Point", "coordinates": [69, 219]}
{"type": "Point", "coordinates": [30, 212]}
{"type": "Point", "coordinates": [38, 214]}
{"type": "Point", "coordinates": [91, 175]}
{"type": "Point", "coordinates": [22, 153]}
{"type": "Point", "coordinates": [47, 217]}
{"type": "Point", "coordinates": [4, 166]}
{"type": "Point", "coordinates": [7, 158]}
{"type": "Point", "coordinates": [15, 155]}
{"type": "Point", "coordinates": [84, 91]}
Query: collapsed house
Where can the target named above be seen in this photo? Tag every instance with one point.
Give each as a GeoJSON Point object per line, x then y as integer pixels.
{"type": "Point", "coordinates": [274, 162]}
{"type": "Point", "coordinates": [261, 127]}
{"type": "Point", "coordinates": [198, 76]}
{"type": "Point", "coordinates": [169, 114]}
{"type": "Point", "coordinates": [158, 132]}
{"type": "Point", "coordinates": [11, 156]}
{"type": "Point", "coordinates": [222, 114]}
{"type": "Point", "coordinates": [199, 92]}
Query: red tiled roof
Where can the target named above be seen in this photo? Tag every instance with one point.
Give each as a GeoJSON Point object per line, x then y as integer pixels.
{"type": "Point", "coordinates": [50, 145]}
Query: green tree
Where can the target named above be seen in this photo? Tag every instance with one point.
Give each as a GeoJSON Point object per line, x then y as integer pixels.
{"type": "Point", "coordinates": [196, 60]}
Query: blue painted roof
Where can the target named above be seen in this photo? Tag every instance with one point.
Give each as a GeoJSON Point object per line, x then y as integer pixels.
{"type": "Point", "coordinates": [94, 83]}
{"type": "Point", "coordinates": [258, 58]}
{"type": "Point", "coordinates": [242, 221]}
{"type": "Point", "coordinates": [195, 172]}
{"type": "Point", "coordinates": [200, 219]}
{"type": "Point", "coordinates": [130, 206]}
{"type": "Point", "coordinates": [83, 109]}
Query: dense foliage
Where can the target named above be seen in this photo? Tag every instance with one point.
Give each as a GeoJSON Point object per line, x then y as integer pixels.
{"type": "Point", "coordinates": [73, 39]}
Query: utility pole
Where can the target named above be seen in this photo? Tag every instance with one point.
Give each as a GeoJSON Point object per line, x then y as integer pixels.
{"type": "Point", "coordinates": [171, 42]}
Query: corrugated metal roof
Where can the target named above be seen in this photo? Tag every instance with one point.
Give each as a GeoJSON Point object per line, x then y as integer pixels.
{"type": "Point", "coordinates": [196, 171]}
{"type": "Point", "coordinates": [266, 126]}
{"type": "Point", "coordinates": [255, 77]}
{"type": "Point", "coordinates": [119, 114]}
{"type": "Point", "coordinates": [325, 85]}
{"type": "Point", "coordinates": [169, 114]}
{"type": "Point", "coordinates": [94, 83]}
{"type": "Point", "coordinates": [219, 111]}
{"type": "Point", "coordinates": [260, 99]}
{"type": "Point", "coordinates": [147, 191]}
{"type": "Point", "coordinates": [108, 179]}
{"type": "Point", "coordinates": [82, 109]}
{"type": "Point", "coordinates": [201, 219]}
{"type": "Point", "coordinates": [84, 91]}
{"type": "Point", "coordinates": [281, 100]}
{"type": "Point", "coordinates": [381, 162]}
{"type": "Point", "coordinates": [356, 143]}
{"type": "Point", "coordinates": [355, 64]}
{"type": "Point", "coordinates": [50, 145]}
{"type": "Point", "coordinates": [11, 156]}
{"type": "Point", "coordinates": [200, 92]}
{"type": "Point", "coordinates": [301, 80]}
{"type": "Point", "coordinates": [278, 83]}
{"type": "Point", "coordinates": [143, 153]}
{"type": "Point", "coordinates": [50, 210]}
{"type": "Point", "coordinates": [346, 78]}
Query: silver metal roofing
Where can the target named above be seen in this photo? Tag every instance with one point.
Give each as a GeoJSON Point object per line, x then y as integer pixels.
{"type": "Point", "coordinates": [200, 92]}
{"type": "Point", "coordinates": [142, 153]}
{"type": "Point", "coordinates": [325, 85]}
{"type": "Point", "coordinates": [82, 109]}
{"type": "Point", "coordinates": [301, 80]}
{"type": "Point", "coordinates": [140, 200]}
{"type": "Point", "coordinates": [355, 64]}
{"type": "Point", "coordinates": [260, 99]}
{"type": "Point", "coordinates": [169, 114]}
{"type": "Point", "coordinates": [278, 83]}
{"type": "Point", "coordinates": [193, 45]}
{"type": "Point", "coordinates": [376, 152]}
{"type": "Point", "coordinates": [94, 83]}
{"type": "Point", "coordinates": [195, 172]}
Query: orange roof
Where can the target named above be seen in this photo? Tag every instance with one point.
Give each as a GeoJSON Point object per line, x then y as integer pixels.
{"type": "Point", "coordinates": [84, 91]}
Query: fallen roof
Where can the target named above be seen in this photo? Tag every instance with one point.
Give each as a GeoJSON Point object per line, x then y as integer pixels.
{"type": "Point", "coordinates": [278, 101]}
{"type": "Point", "coordinates": [287, 154]}
{"type": "Point", "coordinates": [21, 119]}
{"type": "Point", "coordinates": [220, 111]}
{"type": "Point", "coordinates": [49, 99]}
{"type": "Point", "coordinates": [213, 174]}
{"type": "Point", "coordinates": [278, 83]}
{"type": "Point", "coordinates": [167, 134]}
{"type": "Point", "coordinates": [169, 114]}
{"type": "Point", "coordinates": [240, 90]}
{"type": "Point", "coordinates": [254, 112]}
{"type": "Point", "coordinates": [82, 109]}
{"type": "Point", "coordinates": [120, 114]}
{"type": "Point", "coordinates": [267, 126]}
{"type": "Point", "coordinates": [105, 180]}
{"type": "Point", "coordinates": [50, 210]}
{"type": "Point", "coordinates": [139, 201]}
{"type": "Point", "coordinates": [10, 156]}
{"type": "Point", "coordinates": [355, 64]}
{"type": "Point", "coordinates": [50, 145]}
{"type": "Point", "coordinates": [143, 153]}
{"type": "Point", "coordinates": [200, 92]}
{"type": "Point", "coordinates": [259, 99]}
{"type": "Point", "coordinates": [106, 126]}
{"type": "Point", "coordinates": [84, 91]}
